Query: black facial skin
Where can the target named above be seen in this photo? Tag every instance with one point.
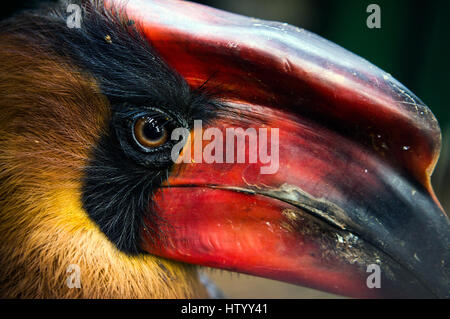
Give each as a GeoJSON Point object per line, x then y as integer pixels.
{"type": "Point", "coordinates": [121, 176]}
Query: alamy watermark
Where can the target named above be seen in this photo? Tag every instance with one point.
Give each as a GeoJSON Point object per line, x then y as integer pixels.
{"type": "Point", "coordinates": [374, 19]}
{"type": "Point", "coordinates": [74, 19]}
{"type": "Point", "coordinates": [229, 149]}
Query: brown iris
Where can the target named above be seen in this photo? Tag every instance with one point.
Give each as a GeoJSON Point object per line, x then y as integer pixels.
{"type": "Point", "coordinates": [150, 132]}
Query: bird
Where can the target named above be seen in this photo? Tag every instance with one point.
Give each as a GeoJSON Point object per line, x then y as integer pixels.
{"type": "Point", "coordinates": [88, 177]}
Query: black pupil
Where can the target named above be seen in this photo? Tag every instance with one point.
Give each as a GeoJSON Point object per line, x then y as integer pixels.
{"type": "Point", "coordinates": [153, 130]}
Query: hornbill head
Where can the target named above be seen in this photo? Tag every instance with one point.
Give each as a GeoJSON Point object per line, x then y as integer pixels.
{"type": "Point", "coordinates": [88, 177]}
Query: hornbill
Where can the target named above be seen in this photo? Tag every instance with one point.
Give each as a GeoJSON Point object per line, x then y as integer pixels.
{"type": "Point", "coordinates": [87, 177]}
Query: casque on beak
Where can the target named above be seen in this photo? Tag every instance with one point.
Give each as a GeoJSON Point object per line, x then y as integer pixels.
{"type": "Point", "coordinates": [356, 151]}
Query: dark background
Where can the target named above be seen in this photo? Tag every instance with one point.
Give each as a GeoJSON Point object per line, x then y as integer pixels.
{"type": "Point", "coordinates": [413, 45]}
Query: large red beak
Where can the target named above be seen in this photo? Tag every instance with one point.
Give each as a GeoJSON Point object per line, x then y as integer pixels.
{"type": "Point", "coordinates": [356, 150]}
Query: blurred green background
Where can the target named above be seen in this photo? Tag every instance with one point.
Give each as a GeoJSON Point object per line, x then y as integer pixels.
{"type": "Point", "coordinates": [413, 44]}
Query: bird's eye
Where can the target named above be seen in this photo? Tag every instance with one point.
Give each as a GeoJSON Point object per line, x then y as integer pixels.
{"type": "Point", "coordinates": [150, 132]}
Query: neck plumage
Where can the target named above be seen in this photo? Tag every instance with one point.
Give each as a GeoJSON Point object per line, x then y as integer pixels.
{"type": "Point", "coordinates": [37, 251]}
